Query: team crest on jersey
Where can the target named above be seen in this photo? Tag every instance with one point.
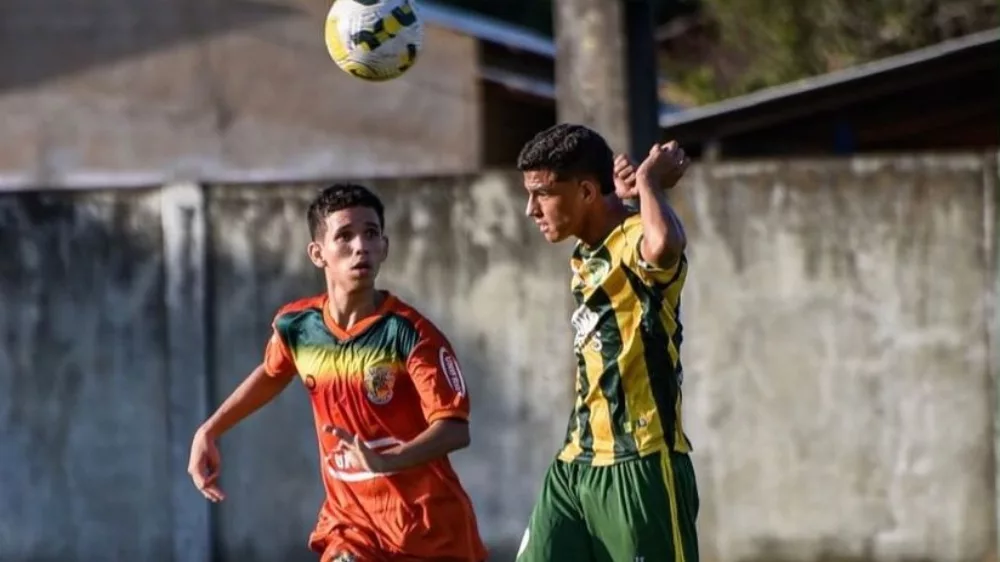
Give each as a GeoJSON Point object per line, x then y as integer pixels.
{"type": "Point", "coordinates": [378, 383]}
{"type": "Point", "coordinates": [592, 272]}
{"type": "Point", "coordinates": [344, 557]}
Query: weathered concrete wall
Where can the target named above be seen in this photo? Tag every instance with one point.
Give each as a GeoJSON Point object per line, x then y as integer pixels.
{"type": "Point", "coordinates": [84, 426]}
{"type": "Point", "coordinates": [837, 385]}
{"type": "Point", "coordinates": [839, 395]}
{"type": "Point", "coordinates": [189, 88]}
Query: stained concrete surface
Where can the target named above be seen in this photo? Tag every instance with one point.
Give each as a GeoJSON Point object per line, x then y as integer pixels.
{"type": "Point", "coordinates": [836, 358]}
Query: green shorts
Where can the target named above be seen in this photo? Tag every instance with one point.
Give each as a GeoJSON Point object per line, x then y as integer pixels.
{"type": "Point", "coordinates": [642, 510]}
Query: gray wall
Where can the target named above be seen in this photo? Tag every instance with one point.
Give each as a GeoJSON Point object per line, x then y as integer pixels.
{"type": "Point", "coordinates": [188, 88]}
{"type": "Point", "coordinates": [837, 357]}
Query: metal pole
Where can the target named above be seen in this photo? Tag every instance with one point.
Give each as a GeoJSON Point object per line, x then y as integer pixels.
{"type": "Point", "coordinates": [641, 81]}
{"type": "Point", "coordinates": [993, 187]}
{"type": "Point", "coordinates": [641, 77]}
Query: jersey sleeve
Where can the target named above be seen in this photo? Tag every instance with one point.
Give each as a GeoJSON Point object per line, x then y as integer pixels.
{"type": "Point", "coordinates": [437, 376]}
{"type": "Point", "coordinates": [278, 361]}
{"type": "Point", "coordinates": [650, 274]}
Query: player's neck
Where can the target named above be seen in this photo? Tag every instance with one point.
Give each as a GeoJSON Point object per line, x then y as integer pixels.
{"type": "Point", "coordinates": [349, 308]}
{"type": "Point", "coordinates": [607, 214]}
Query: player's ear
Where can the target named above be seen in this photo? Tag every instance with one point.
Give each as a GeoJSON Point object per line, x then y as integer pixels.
{"type": "Point", "coordinates": [385, 247]}
{"type": "Point", "coordinates": [315, 253]}
{"type": "Point", "coordinates": [590, 190]}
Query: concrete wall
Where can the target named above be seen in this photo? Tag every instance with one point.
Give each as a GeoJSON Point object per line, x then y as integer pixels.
{"type": "Point", "coordinates": [837, 358]}
{"type": "Point", "coordinates": [189, 88]}
{"type": "Point", "coordinates": [840, 396]}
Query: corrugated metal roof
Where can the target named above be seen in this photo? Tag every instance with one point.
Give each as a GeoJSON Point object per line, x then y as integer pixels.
{"type": "Point", "coordinates": [488, 29]}
{"type": "Point", "coordinates": [541, 88]}
{"type": "Point", "coordinates": [518, 82]}
{"type": "Point", "coordinates": [912, 58]}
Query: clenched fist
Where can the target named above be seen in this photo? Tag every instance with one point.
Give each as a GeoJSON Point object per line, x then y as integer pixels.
{"type": "Point", "coordinates": [664, 166]}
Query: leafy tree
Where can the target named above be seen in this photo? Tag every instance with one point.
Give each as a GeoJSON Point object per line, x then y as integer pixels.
{"type": "Point", "coordinates": [721, 48]}
{"type": "Point", "coordinates": [746, 45]}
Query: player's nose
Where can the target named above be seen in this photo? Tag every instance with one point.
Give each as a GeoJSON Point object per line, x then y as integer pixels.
{"type": "Point", "coordinates": [358, 246]}
{"type": "Point", "coordinates": [531, 209]}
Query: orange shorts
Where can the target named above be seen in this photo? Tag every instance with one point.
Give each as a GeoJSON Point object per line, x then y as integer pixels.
{"type": "Point", "coordinates": [354, 547]}
{"type": "Point", "coordinates": [346, 545]}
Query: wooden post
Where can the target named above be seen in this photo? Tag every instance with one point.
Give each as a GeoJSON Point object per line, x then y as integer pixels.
{"type": "Point", "coordinates": [590, 74]}
{"type": "Point", "coordinates": [606, 70]}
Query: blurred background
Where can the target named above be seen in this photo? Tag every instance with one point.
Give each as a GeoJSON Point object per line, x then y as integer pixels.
{"type": "Point", "coordinates": [156, 158]}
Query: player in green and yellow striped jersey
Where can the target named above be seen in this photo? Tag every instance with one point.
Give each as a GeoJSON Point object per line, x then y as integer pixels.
{"type": "Point", "coordinates": [622, 488]}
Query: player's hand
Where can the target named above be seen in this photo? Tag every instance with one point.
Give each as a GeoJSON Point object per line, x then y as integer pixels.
{"type": "Point", "coordinates": [625, 178]}
{"type": "Point", "coordinates": [366, 458]}
{"type": "Point", "coordinates": [204, 466]}
{"type": "Point", "coordinates": [664, 166]}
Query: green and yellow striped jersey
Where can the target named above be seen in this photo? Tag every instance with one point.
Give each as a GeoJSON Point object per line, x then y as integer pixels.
{"type": "Point", "coordinates": [627, 344]}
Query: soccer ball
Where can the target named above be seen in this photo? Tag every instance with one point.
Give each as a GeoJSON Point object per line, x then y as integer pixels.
{"type": "Point", "coordinates": [374, 40]}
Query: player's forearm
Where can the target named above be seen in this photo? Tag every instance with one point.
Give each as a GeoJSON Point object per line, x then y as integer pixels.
{"type": "Point", "coordinates": [441, 438]}
{"type": "Point", "coordinates": [663, 238]}
{"type": "Point", "coordinates": [258, 389]}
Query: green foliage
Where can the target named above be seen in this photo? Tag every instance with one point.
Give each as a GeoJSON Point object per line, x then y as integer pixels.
{"type": "Point", "coordinates": [763, 43]}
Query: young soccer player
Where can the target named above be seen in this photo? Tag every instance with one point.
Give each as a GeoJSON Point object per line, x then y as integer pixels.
{"type": "Point", "coordinates": [622, 488]}
{"type": "Point", "coordinates": [387, 395]}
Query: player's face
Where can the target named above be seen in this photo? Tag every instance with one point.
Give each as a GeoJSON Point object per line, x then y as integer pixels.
{"type": "Point", "coordinates": [351, 248]}
{"type": "Point", "coordinates": [557, 207]}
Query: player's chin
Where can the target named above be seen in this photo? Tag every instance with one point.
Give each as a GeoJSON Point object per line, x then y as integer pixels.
{"type": "Point", "coordinates": [359, 280]}
{"type": "Point", "coordinates": [554, 236]}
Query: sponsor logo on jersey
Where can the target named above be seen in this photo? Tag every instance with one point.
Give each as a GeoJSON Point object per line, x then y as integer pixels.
{"type": "Point", "coordinates": [585, 323]}
{"type": "Point", "coordinates": [343, 464]}
{"type": "Point", "coordinates": [452, 372]}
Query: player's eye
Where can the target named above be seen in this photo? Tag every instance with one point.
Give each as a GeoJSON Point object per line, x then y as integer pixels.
{"type": "Point", "coordinates": [371, 234]}
{"type": "Point", "coordinates": [342, 236]}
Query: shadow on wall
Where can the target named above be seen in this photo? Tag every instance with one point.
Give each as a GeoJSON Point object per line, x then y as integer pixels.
{"type": "Point", "coordinates": [47, 39]}
{"type": "Point", "coordinates": [83, 375]}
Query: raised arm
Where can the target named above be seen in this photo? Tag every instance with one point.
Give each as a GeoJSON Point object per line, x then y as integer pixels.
{"type": "Point", "coordinates": [663, 240]}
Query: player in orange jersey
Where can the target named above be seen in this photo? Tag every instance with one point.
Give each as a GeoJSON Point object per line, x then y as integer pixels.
{"type": "Point", "coordinates": [388, 398]}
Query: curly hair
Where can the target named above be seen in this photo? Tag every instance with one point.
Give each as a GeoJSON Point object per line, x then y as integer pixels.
{"type": "Point", "coordinates": [341, 196]}
{"type": "Point", "coordinates": [570, 151]}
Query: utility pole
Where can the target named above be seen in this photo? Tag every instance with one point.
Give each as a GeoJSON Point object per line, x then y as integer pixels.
{"type": "Point", "coordinates": [606, 70]}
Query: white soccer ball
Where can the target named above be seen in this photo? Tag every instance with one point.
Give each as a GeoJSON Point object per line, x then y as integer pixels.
{"type": "Point", "coordinates": [374, 40]}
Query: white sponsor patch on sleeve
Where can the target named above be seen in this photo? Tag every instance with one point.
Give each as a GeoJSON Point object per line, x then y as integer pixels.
{"type": "Point", "coordinates": [452, 372]}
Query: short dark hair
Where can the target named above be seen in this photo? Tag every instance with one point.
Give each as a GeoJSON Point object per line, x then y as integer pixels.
{"type": "Point", "coordinates": [570, 151]}
{"type": "Point", "coordinates": [341, 196]}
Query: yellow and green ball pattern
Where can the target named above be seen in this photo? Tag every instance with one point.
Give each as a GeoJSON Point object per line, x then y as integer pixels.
{"type": "Point", "coordinates": [375, 40]}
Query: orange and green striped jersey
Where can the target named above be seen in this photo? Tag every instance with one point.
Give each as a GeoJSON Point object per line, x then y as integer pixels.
{"type": "Point", "coordinates": [627, 343]}
{"type": "Point", "coordinates": [385, 380]}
